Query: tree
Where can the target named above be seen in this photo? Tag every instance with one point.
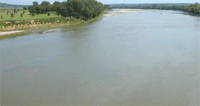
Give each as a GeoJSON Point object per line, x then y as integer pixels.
{"type": "Point", "coordinates": [53, 7]}
{"type": "Point", "coordinates": [1, 16]}
{"type": "Point", "coordinates": [48, 8]}
{"type": "Point", "coordinates": [21, 14]}
{"type": "Point", "coordinates": [82, 9]}
{"type": "Point", "coordinates": [56, 3]}
{"type": "Point", "coordinates": [45, 3]}
{"type": "Point", "coordinates": [15, 10]}
{"type": "Point", "coordinates": [33, 14]}
{"type": "Point", "coordinates": [35, 3]}
{"type": "Point", "coordinates": [43, 9]}
{"type": "Point", "coordinates": [25, 8]}
{"type": "Point", "coordinates": [32, 9]}
{"type": "Point", "coordinates": [12, 15]}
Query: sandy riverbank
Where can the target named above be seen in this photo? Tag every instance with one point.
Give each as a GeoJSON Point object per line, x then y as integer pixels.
{"type": "Point", "coordinates": [121, 11]}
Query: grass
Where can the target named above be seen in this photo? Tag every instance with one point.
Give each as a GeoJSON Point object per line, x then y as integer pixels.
{"type": "Point", "coordinates": [26, 16]}
{"type": "Point", "coordinates": [6, 9]}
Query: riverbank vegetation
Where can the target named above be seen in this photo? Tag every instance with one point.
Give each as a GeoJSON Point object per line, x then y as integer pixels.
{"type": "Point", "coordinates": [79, 9]}
{"type": "Point", "coordinates": [191, 8]}
{"type": "Point", "coordinates": [46, 15]}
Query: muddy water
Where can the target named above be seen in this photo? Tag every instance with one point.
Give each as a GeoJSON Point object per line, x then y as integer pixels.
{"type": "Point", "coordinates": [148, 58]}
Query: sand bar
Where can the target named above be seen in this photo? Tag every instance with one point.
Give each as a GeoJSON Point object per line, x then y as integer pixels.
{"type": "Point", "coordinates": [121, 11]}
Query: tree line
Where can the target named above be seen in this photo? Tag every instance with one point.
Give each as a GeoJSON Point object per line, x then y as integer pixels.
{"type": "Point", "coordinates": [193, 8]}
{"type": "Point", "coordinates": [80, 9]}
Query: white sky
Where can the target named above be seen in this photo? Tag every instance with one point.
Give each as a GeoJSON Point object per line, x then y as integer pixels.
{"type": "Point", "coordinates": [29, 2]}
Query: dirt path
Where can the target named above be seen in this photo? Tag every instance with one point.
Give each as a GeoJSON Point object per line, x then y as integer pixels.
{"type": "Point", "coordinates": [10, 32]}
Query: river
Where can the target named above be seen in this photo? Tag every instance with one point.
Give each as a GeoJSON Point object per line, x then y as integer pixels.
{"type": "Point", "coordinates": [135, 58]}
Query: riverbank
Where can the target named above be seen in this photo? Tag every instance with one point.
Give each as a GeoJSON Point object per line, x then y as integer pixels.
{"type": "Point", "coordinates": [121, 11]}
{"type": "Point", "coordinates": [10, 32]}
{"type": "Point", "coordinates": [18, 28]}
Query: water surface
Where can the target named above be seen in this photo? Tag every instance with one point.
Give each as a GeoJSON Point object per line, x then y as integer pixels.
{"type": "Point", "coordinates": [148, 58]}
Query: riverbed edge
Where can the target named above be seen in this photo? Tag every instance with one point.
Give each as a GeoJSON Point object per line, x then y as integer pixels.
{"type": "Point", "coordinates": [45, 27]}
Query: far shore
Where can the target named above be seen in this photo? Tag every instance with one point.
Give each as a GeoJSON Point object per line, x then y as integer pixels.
{"type": "Point", "coordinates": [121, 11]}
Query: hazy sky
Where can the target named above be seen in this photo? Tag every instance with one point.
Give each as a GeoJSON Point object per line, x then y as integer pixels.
{"type": "Point", "coordinates": [29, 2]}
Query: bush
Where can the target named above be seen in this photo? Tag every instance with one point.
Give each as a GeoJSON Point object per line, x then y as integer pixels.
{"type": "Point", "coordinates": [25, 8]}
{"type": "Point", "coordinates": [12, 15]}
{"type": "Point", "coordinates": [1, 16]}
{"type": "Point", "coordinates": [21, 14]}
{"type": "Point", "coordinates": [33, 14]}
{"type": "Point", "coordinates": [58, 14]}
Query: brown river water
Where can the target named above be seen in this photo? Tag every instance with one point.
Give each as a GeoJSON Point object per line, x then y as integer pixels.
{"type": "Point", "coordinates": [135, 58]}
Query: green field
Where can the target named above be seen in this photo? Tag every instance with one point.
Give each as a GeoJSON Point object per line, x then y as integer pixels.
{"type": "Point", "coordinates": [26, 16]}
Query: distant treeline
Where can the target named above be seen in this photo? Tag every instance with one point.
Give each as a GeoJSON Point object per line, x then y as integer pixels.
{"type": "Point", "coordinates": [81, 9]}
{"type": "Point", "coordinates": [192, 8]}
{"type": "Point", "coordinates": [5, 5]}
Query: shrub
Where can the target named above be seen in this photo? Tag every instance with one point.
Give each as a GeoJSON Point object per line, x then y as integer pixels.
{"type": "Point", "coordinates": [25, 8]}
{"type": "Point", "coordinates": [15, 10]}
{"type": "Point", "coordinates": [12, 15]}
{"type": "Point", "coordinates": [33, 14]}
{"type": "Point", "coordinates": [21, 14]}
{"type": "Point", "coordinates": [1, 16]}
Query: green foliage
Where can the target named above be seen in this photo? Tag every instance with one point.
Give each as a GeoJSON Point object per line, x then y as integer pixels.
{"type": "Point", "coordinates": [15, 10]}
{"type": "Point", "coordinates": [32, 9]}
{"type": "Point", "coordinates": [12, 15]}
{"type": "Point", "coordinates": [45, 3]}
{"type": "Point", "coordinates": [25, 8]}
{"type": "Point", "coordinates": [21, 14]}
{"type": "Point", "coordinates": [42, 9]}
{"type": "Point", "coordinates": [81, 9]}
{"type": "Point", "coordinates": [35, 3]}
{"type": "Point", "coordinates": [194, 9]}
{"type": "Point", "coordinates": [33, 14]}
{"type": "Point", "coordinates": [107, 7]}
{"type": "Point", "coordinates": [56, 3]}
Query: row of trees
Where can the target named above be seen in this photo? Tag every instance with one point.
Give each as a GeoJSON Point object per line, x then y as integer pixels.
{"type": "Point", "coordinates": [195, 8]}
{"type": "Point", "coordinates": [107, 7]}
{"type": "Point", "coordinates": [84, 9]}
